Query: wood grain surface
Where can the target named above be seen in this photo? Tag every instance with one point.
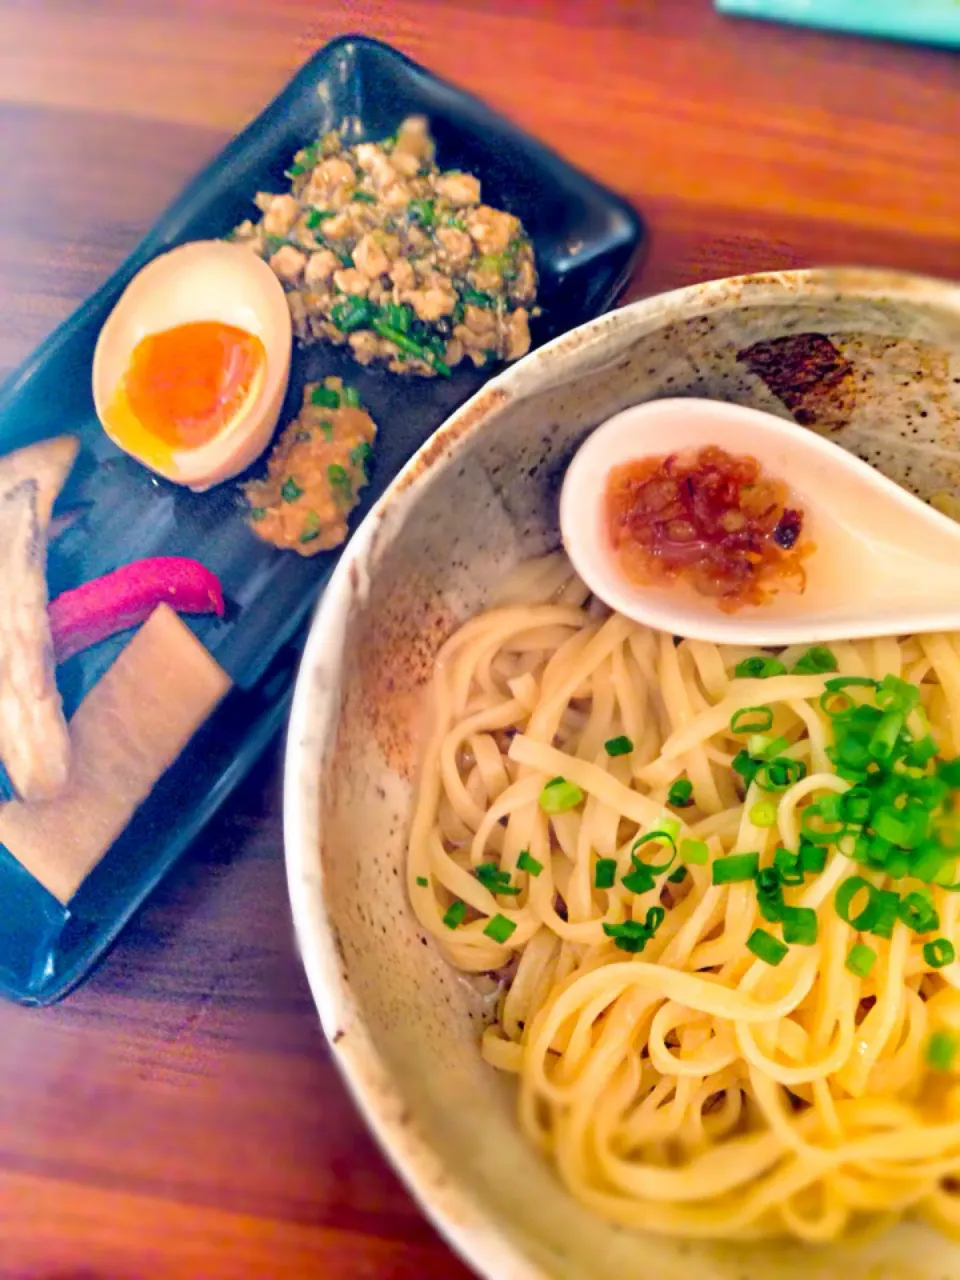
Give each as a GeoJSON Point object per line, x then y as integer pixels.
{"type": "Point", "coordinates": [179, 1116]}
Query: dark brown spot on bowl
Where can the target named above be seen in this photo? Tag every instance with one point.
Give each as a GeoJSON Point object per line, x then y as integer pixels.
{"type": "Point", "coordinates": [808, 374]}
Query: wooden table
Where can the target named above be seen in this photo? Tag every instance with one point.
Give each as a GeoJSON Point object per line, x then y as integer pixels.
{"type": "Point", "coordinates": [179, 1116]}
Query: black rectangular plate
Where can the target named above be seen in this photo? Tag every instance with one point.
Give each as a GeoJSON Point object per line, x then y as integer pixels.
{"type": "Point", "coordinates": [587, 241]}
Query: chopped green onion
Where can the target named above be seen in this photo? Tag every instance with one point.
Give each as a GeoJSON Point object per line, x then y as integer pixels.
{"type": "Point", "coordinates": [659, 836]}
{"type": "Point", "coordinates": [861, 959]}
{"type": "Point", "coordinates": [605, 873]}
{"type": "Point", "coordinates": [326, 397]}
{"type": "Point", "coordinates": [633, 936]}
{"type": "Point", "coordinates": [816, 661]}
{"type": "Point", "coordinates": [759, 668]}
{"type": "Point", "coordinates": [816, 833]}
{"type": "Point", "coordinates": [762, 745]}
{"type": "Point", "coordinates": [799, 925]}
{"type": "Point", "coordinates": [316, 216]}
{"type": "Point", "coordinates": [527, 862]}
{"type": "Point", "coordinates": [763, 813]}
{"type": "Point", "coordinates": [780, 774]}
{"type": "Point", "coordinates": [918, 913]}
{"type": "Point", "coordinates": [941, 1050]}
{"type": "Point", "coordinates": [680, 793]}
{"type": "Point", "coordinates": [327, 430]}
{"type": "Point", "coordinates": [851, 889]}
{"type": "Point", "coordinates": [887, 903]}
{"type": "Point", "coordinates": [311, 527]}
{"type": "Point", "coordinates": [351, 397]}
{"type": "Point", "coordinates": [735, 867]}
{"type": "Point", "coordinates": [339, 480]}
{"type": "Point", "coordinates": [360, 454]}
{"type": "Point", "coordinates": [640, 879]}
{"type": "Point", "coordinates": [939, 952]}
{"type": "Point", "coordinates": [855, 805]}
{"type": "Point", "coordinates": [884, 737]}
{"type": "Point", "coordinates": [258, 513]}
{"type": "Point", "coordinates": [559, 796]}
{"type": "Point", "coordinates": [455, 914]}
{"type": "Point", "coordinates": [694, 852]}
{"type": "Point", "coordinates": [895, 694]}
{"type": "Point", "coordinates": [290, 491]}
{"type": "Point", "coordinates": [766, 947]}
{"type": "Point", "coordinates": [839, 683]}
{"type": "Point", "coordinates": [813, 858]}
{"type": "Point", "coordinates": [423, 882]}
{"type": "Point", "coordinates": [499, 928]}
{"type": "Point", "coordinates": [741, 721]}
{"type": "Point", "coordinates": [769, 894]}
{"type": "Point", "coordinates": [889, 824]}
{"type": "Point", "coordinates": [492, 878]}
{"type": "Point", "coordinates": [365, 196]}
{"type": "Point", "coordinates": [678, 876]}
{"type": "Point", "coordinates": [621, 746]}
{"type": "Point", "coordinates": [949, 772]}
{"type": "Point", "coordinates": [787, 866]}
{"type": "Point", "coordinates": [349, 313]}
{"type": "Point", "coordinates": [746, 766]}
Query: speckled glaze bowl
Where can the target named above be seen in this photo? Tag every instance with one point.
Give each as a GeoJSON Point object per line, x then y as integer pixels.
{"type": "Point", "coordinates": [870, 359]}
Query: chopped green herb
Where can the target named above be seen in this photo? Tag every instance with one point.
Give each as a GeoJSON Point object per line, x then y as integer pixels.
{"type": "Point", "coordinates": [527, 862]}
{"type": "Point", "coordinates": [694, 852]}
{"type": "Point", "coordinates": [763, 813]}
{"type": "Point", "coordinates": [351, 397]}
{"type": "Point", "coordinates": [360, 454]}
{"type": "Point", "coordinates": [766, 947]}
{"type": "Point", "coordinates": [605, 873]}
{"type": "Point", "coordinates": [423, 882]}
{"type": "Point", "coordinates": [558, 796]}
{"type": "Point", "coordinates": [499, 928]}
{"type": "Point", "coordinates": [799, 925]}
{"type": "Point", "coordinates": [631, 935]}
{"type": "Point", "coordinates": [941, 1050]}
{"type": "Point", "coordinates": [681, 793]}
{"type": "Point", "coordinates": [813, 858]}
{"type": "Point", "coordinates": [325, 397]}
{"type": "Point", "coordinates": [316, 216]}
{"type": "Point", "coordinates": [451, 220]}
{"type": "Point", "coordinates": [477, 298]}
{"type": "Point", "coordinates": [455, 914]}
{"type": "Point", "coordinates": [751, 720]}
{"type": "Point", "coordinates": [421, 211]}
{"type": "Point", "coordinates": [311, 527]}
{"type": "Point", "coordinates": [938, 953]}
{"type": "Point", "coordinates": [918, 913]}
{"type": "Point", "coordinates": [340, 481]}
{"type": "Point", "coordinates": [861, 960]}
{"type": "Point", "coordinates": [327, 430]}
{"type": "Point", "coordinates": [405, 343]}
{"type": "Point", "coordinates": [735, 867]}
{"type": "Point", "coordinates": [290, 491]}
{"type": "Point", "coordinates": [621, 746]}
{"type": "Point", "coordinates": [787, 866]}
{"type": "Point", "coordinates": [364, 196]}
{"type": "Point", "coordinates": [678, 876]}
{"type": "Point", "coordinates": [759, 668]}
{"type": "Point", "coordinates": [350, 313]}
{"type": "Point", "coordinates": [816, 661]}
{"type": "Point", "coordinates": [258, 513]}
{"type": "Point", "coordinates": [492, 878]}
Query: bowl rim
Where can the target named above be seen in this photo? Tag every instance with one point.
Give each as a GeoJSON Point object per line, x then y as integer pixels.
{"type": "Point", "coordinates": [473, 1233]}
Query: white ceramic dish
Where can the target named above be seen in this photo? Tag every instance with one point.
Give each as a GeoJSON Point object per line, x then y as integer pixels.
{"type": "Point", "coordinates": [871, 359]}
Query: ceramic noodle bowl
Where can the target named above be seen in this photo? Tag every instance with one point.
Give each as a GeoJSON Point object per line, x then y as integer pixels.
{"type": "Point", "coordinates": [871, 360]}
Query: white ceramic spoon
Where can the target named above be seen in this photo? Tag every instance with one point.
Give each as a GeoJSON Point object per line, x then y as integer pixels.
{"type": "Point", "coordinates": [885, 563]}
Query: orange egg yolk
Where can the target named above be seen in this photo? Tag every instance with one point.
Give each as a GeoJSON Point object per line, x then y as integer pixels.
{"type": "Point", "coordinates": [184, 385]}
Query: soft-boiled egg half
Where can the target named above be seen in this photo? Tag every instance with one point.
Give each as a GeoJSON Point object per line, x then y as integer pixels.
{"type": "Point", "coordinates": [191, 368]}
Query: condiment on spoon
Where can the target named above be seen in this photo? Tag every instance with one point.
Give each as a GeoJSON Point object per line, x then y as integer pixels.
{"type": "Point", "coordinates": [875, 560]}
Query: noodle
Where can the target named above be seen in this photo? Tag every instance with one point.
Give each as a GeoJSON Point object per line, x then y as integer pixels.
{"type": "Point", "coordinates": [691, 1089]}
